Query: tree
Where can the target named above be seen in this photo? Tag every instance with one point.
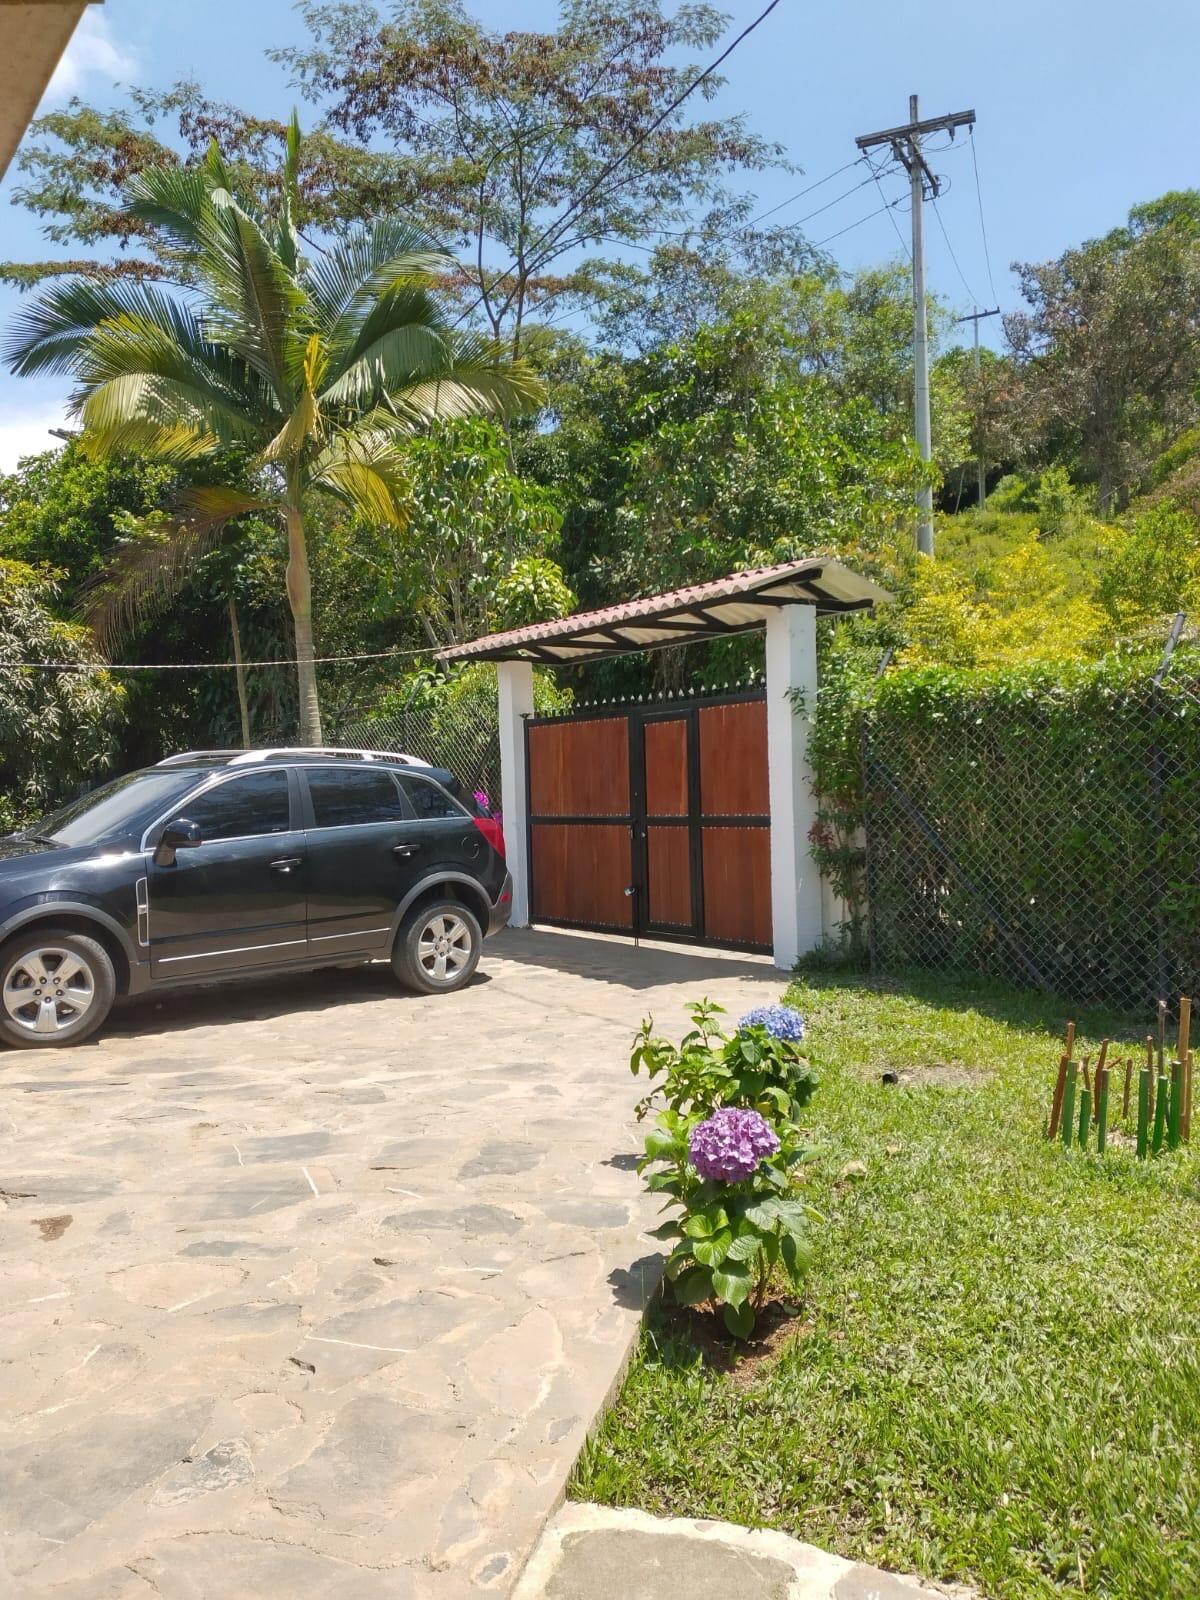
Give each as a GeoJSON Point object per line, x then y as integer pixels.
{"type": "Point", "coordinates": [1111, 344]}
{"type": "Point", "coordinates": [510, 137]}
{"type": "Point", "coordinates": [56, 728]}
{"type": "Point", "coordinates": [713, 454]}
{"type": "Point", "coordinates": [320, 370]}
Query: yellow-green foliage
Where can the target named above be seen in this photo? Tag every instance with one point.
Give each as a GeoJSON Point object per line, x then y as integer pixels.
{"type": "Point", "coordinates": [1019, 606]}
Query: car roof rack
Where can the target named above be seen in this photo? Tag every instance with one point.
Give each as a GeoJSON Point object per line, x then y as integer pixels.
{"type": "Point", "coordinates": [323, 752]}
{"type": "Point", "coordinates": [189, 758]}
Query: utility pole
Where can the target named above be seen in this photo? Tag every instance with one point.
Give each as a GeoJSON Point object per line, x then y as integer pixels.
{"type": "Point", "coordinates": [977, 317]}
{"type": "Point", "coordinates": [905, 143]}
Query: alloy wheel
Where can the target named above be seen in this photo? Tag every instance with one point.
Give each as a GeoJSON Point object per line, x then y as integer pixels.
{"type": "Point", "coordinates": [49, 989]}
{"type": "Point", "coordinates": [443, 946]}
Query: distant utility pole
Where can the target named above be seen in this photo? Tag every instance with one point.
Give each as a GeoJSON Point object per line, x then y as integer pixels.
{"type": "Point", "coordinates": [977, 317]}
{"type": "Point", "coordinates": [906, 147]}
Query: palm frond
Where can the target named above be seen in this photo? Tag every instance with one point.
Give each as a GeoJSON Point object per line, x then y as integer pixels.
{"type": "Point", "coordinates": [49, 333]}
{"type": "Point", "coordinates": [366, 468]}
{"type": "Point", "coordinates": [253, 299]}
{"type": "Point", "coordinates": [478, 378]}
{"type": "Point", "coordinates": [287, 240]}
{"type": "Point", "coordinates": [345, 282]}
{"type": "Point", "coordinates": [173, 200]}
{"type": "Point", "coordinates": [152, 567]}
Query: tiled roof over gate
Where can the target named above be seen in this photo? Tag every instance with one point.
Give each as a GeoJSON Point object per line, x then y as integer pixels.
{"type": "Point", "coordinates": [736, 604]}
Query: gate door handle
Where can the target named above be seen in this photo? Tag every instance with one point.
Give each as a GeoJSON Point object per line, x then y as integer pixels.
{"type": "Point", "coordinates": [285, 863]}
{"type": "Point", "coordinates": [404, 849]}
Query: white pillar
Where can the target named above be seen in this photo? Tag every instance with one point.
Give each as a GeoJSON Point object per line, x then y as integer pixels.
{"type": "Point", "coordinates": [515, 682]}
{"type": "Point", "coordinates": [795, 878]}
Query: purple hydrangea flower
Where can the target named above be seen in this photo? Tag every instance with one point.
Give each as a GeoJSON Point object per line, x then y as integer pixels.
{"type": "Point", "coordinates": [730, 1144]}
{"type": "Point", "coordinates": [483, 801]}
{"type": "Point", "coordinates": [781, 1022]}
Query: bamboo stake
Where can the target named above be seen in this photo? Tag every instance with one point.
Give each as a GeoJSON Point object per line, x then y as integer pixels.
{"type": "Point", "coordinates": [1060, 1082]}
{"type": "Point", "coordinates": [1143, 1123]}
{"type": "Point", "coordinates": [1151, 1071]}
{"type": "Point", "coordinates": [1068, 1110]}
{"type": "Point", "coordinates": [1162, 1098]}
{"type": "Point", "coordinates": [1187, 1099]}
{"type": "Point", "coordinates": [1085, 1117]}
{"type": "Point", "coordinates": [1175, 1110]}
{"type": "Point", "coordinates": [1184, 1052]}
{"type": "Point", "coordinates": [1128, 1083]}
{"type": "Point", "coordinates": [1102, 1114]}
{"type": "Point", "coordinates": [1100, 1060]}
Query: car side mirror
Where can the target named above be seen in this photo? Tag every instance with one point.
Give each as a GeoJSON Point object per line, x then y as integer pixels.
{"type": "Point", "coordinates": [179, 834]}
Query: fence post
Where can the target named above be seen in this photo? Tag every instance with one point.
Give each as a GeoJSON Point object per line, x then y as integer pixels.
{"type": "Point", "coordinates": [795, 877]}
{"type": "Point", "coordinates": [514, 680]}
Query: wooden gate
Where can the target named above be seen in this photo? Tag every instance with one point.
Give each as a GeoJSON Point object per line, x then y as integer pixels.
{"type": "Point", "coordinates": [653, 820]}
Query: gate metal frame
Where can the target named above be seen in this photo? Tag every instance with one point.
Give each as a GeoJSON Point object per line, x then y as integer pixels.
{"type": "Point", "coordinates": [636, 714]}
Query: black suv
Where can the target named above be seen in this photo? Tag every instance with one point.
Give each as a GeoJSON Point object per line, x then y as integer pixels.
{"type": "Point", "coordinates": [219, 863]}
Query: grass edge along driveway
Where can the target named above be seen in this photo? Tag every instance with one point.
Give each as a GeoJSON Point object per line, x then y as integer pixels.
{"type": "Point", "coordinates": [996, 1377]}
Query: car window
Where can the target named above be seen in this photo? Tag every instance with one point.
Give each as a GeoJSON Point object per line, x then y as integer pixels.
{"type": "Point", "coordinates": [255, 804]}
{"type": "Point", "coordinates": [118, 809]}
{"type": "Point", "coordinates": [427, 799]}
{"type": "Point", "coordinates": [347, 797]}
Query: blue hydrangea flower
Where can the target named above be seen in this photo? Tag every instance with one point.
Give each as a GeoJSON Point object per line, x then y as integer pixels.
{"type": "Point", "coordinates": [782, 1022]}
{"type": "Point", "coordinates": [730, 1144]}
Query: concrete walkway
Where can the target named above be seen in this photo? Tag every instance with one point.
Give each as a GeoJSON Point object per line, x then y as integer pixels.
{"type": "Point", "coordinates": [311, 1287]}
{"type": "Point", "coordinates": [595, 1553]}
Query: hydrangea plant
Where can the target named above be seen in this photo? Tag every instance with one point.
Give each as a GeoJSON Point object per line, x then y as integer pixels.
{"type": "Point", "coordinates": [729, 1177]}
{"type": "Point", "coordinates": [758, 1067]}
{"type": "Point", "coordinates": [781, 1022]}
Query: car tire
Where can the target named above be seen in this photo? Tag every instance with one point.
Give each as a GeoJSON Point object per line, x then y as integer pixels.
{"type": "Point", "coordinates": [437, 947]}
{"type": "Point", "coordinates": [70, 983]}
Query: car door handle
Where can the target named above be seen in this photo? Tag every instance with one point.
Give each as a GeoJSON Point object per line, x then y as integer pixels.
{"type": "Point", "coordinates": [404, 848]}
{"type": "Point", "coordinates": [285, 863]}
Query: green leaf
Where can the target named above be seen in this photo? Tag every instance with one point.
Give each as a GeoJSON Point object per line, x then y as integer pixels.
{"type": "Point", "coordinates": [732, 1282]}
{"type": "Point", "coordinates": [712, 1251]}
{"type": "Point", "coordinates": [665, 1230]}
{"type": "Point", "coordinates": [763, 1214]}
{"type": "Point", "coordinates": [744, 1248]}
{"type": "Point", "coordinates": [739, 1320]}
{"type": "Point", "coordinates": [693, 1287]}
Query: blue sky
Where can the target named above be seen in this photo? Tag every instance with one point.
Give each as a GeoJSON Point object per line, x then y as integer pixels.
{"type": "Point", "coordinates": [1085, 107]}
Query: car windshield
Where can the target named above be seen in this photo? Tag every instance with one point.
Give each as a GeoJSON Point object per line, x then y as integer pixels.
{"type": "Point", "coordinates": [120, 808]}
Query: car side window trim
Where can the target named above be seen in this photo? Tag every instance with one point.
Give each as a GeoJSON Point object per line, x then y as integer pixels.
{"type": "Point", "coordinates": [218, 781]}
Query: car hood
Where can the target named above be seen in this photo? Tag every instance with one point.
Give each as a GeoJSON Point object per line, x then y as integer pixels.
{"type": "Point", "coordinates": [20, 856]}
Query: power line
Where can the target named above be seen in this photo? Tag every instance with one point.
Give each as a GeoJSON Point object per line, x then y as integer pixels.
{"type": "Point", "coordinates": [800, 193]}
{"type": "Point", "coordinates": [937, 211]}
{"type": "Point", "coordinates": [203, 666]}
{"type": "Point", "coordinates": [550, 236]}
{"type": "Point", "coordinates": [895, 225]}
{"type": "Point", "coordinates": [987, 255]}
{"type": "Point", "coordinates": [890, 206]}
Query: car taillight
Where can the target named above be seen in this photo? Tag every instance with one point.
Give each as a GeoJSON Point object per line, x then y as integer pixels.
{"type": "Point", "coordinates": [492, 831]}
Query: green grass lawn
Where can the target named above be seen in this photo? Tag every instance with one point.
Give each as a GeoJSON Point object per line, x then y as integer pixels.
{"type": "Point", "coordinates": [996, 1377]}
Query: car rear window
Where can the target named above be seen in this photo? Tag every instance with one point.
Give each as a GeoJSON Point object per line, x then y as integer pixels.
{"type": "Point", "coordinates": [346, 797]}
{"type": "Point", "coordinates": [428, 800]}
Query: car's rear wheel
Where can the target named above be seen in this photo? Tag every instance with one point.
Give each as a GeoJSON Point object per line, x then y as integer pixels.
{"type": "Point", "coordinates": [437, 947]}
{"type": "Point", "coordinates": [56, 988]}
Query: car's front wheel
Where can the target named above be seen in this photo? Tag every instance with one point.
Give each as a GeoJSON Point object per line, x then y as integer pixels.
{"type": "Point", "coordinates": [56, 988]}
{"type": "Point", "coordinates": [437, 947]}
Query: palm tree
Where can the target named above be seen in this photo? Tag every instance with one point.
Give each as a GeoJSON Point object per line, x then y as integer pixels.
{"type": "Point", "coordinates": [316, 369]}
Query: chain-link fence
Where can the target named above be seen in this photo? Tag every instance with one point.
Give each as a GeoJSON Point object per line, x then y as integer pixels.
{"type": "Point", "coordinates": [457, 737]}
{"type": "Point", "coordinates": [1044, 832]}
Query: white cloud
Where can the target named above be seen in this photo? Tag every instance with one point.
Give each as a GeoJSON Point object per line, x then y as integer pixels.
{"type": "Point", "coordinates": [25, 431]}
{"type": "Point", "coordinates": [92, 53]}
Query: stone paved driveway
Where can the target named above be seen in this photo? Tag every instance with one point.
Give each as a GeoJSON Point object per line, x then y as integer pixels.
{"type": "Point", "coordinates": [313, 1288]}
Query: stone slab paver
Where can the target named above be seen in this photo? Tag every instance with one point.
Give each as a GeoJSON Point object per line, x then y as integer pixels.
{"type": "Point", "coordinates": [596, 1553]}
{"type": "Point", "coordinates": [312, 1287]}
